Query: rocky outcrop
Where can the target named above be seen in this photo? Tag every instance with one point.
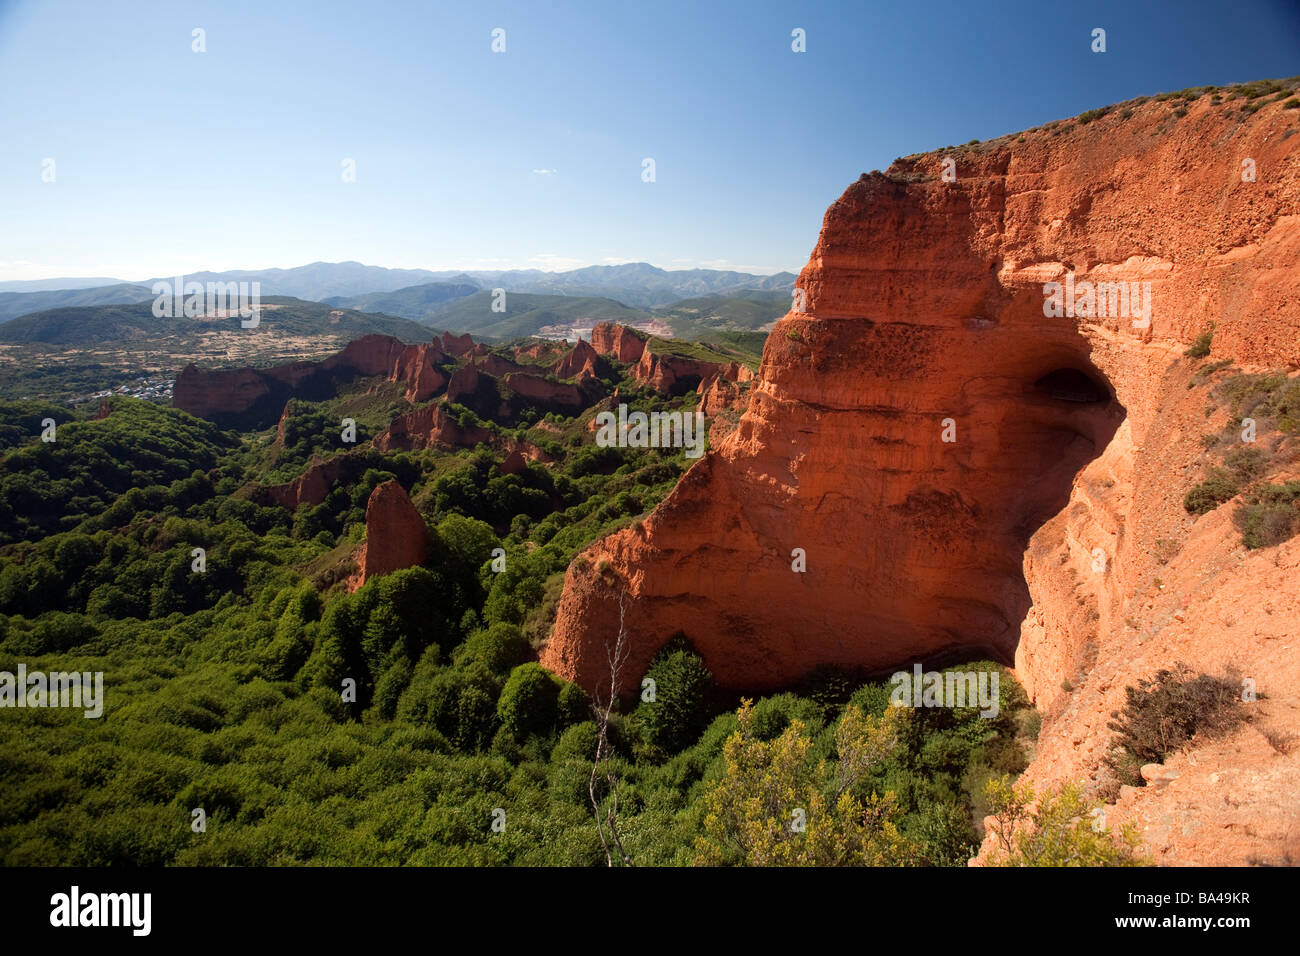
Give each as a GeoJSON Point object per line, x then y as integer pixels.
{"type": "Point", "coordinates": [719, 395]}
{"type": "Point", "coordinates": [583, 362]}
{"type": "Point", "coordinates": [223, 394]}
{"type": "Point", "coordinates": [619, 341]}
{"type": "Point", "coordinates": [396, 536]}
{"type": "Point", "coordinates": [249, 397]}
{"type": "Point", "coordinates": [559, 395]}
{"type": "Point", "coordinates": [464, 383]}
{"type": "Point", "coordinates": [430, 426]}
{"type": "Point", "coordinates": [542, 349]}
{"type": "Point", "coordinates": [313, 485]}
{"type": "Point", "coordinates": [457, 344]}
{"type": "Point", "coordinates": [417, 367]}
{"type": "Point", "coordinates": [671, 374]}
{"type": "Point", "coordinates": [282, 426]}
{"type": "Point", "coordinates": [513, 463]}
{"type": "Point", "coordinates": [369, 355]}
{"type": "Point", "coordinates": [949, 460]}
{"type": "Point", "coordinates": [527, 449]}
{"type": "Point", "coordinates": [735, 372]}
{"type": "Point", "coordinates": [497, 366]}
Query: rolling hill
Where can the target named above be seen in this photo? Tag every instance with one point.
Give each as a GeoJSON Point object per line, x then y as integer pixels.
{"type": "Point", "coordinates": [750, 310]}
{"type": "Point", "coordinates": [413, 302]}
{"type": "Point", "coordinates": [526, 314]}
{"type": "Point", "coordinates": [122, 325]}
{"type": "Point", "coordinates": [637, 284]}
{"type": "Point", "coordinates": [14, 304]}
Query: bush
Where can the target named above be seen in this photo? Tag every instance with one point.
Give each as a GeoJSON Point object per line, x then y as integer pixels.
{"type": "Point", "coordinates": [772, 715]}
{"type": "Point", "coordinates": [1164, 712]}
{"type": "Point", "coordinates": [57, 631]}
{"type": "Point", "coordinates": [1057, 831]}
{"type": "Point", "coordinates": [529, 702]}
{"type": "Point", "coordinates": [829, 686]}
{"type": "Point", "coordinates": [500, 649]}
{"type": "Point", "coordinates": [680, 710]}
{"type": "Point", "coordinates": [1246, 464]}
{"type": "Point", "coordinates": [1270, 515]}
{"type": "Point", "coordinates": [577, 743]}
{"type": "Point", "coordinates": [1211, 492]}
{"type": "Point", "coordinates": [573, 706]}
{"type": "Point", "coordinates": [1201, 347]}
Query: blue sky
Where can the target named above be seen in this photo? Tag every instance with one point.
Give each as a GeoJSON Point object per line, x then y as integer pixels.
{"type": "Point", "coordinates": [168, 160]}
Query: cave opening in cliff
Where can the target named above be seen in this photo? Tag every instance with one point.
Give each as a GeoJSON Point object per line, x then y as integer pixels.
{"type": "Point", "coordinates": [1067, 415]}
{"type": "Point", "coordinates": [1072, 385]}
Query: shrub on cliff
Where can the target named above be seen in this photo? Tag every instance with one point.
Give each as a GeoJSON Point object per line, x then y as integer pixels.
{"type": "Point", "coordinates": [1273, 400]}
{"type": "Point", "coordinates": [1219, 487]}
{"type": "Point", "coordinates": [1270, 515]}
{"type": "Point", "coordinates": [1201, 347]}
{"type": "Point", "coordinates": [1165, 711]}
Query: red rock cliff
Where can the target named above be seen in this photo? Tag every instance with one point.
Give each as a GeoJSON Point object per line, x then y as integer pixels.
{"type": "Point", "coordinates": [228, 394]}
{"type": "Point", "coordinates": [948, 458]}
{"type": "Point", "coordinates": [619, 341]}
{"type": "Point", "coordinates": [396, 536]}
{"type": "Point", "coordinates": [582, 362]}
{"type": "Point", "coordinates": [673, 374]}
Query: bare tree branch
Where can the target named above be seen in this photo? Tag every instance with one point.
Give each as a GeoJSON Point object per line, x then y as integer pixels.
{"type": "Point", "coordinates": [606, 810]}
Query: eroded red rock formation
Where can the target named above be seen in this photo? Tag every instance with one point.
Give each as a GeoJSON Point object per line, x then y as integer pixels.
{"type": "Point", "coordinates": [950, 459]}
{"type": "Point", "coordinates": [417, 367]}
{"type": "Point", "coordinates": [719, 395]}
{"type": "Point", "coordinates": [497, 366]}
{"type": "Point", "coordinates": [539, 389]}
{"type": "Point", "coordinates": [457, 344]}
{"type": "Point", "coordinates": [312, 486]}
{"type": "Point", "coordinates": [396, 536]}
{"type": "Point", "coordinates": [465, 382]}
{"type": "Point", "coordinates": [583, 362]}
{"type": "Point", "coordinates": [673, 374]}
{"type": "Point", "coordinates": [540, 349]}
{"type": "Point", "coordinates": [429, 426]}
{"type": "Point", "coordinates": [619, 341]}
{"type": "Point", "coordinates": [229, 394]}
{"type": "Point", "coordinates": [513, 463]}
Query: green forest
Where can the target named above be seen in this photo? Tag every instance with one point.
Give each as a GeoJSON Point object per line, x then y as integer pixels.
{"type": "Point", "coordinates": [223, 686]}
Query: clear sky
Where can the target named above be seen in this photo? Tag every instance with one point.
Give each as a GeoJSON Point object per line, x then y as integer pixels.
{"type": "Point", "coordinates": [169, 161]}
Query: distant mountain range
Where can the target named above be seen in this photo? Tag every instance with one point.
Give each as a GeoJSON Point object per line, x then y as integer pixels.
{"type": "Point", "coordinates": [134, 325]}
{"type": "Point", "coordinates": [526, 313]}
{"type": "Point", "coordinates": [14, 304]}
{"type": "Point", "coordinates": [636, 284]}
{"type": "Point", "coordinates": [414, 302]}
{"type": "Point", "coordinates": [357, 286]}
{"type": "Point", "coordinates": [50, 285]}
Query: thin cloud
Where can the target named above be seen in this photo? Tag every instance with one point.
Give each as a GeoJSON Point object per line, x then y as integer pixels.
{"type": "Point", "coordinates": [549, 262]}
